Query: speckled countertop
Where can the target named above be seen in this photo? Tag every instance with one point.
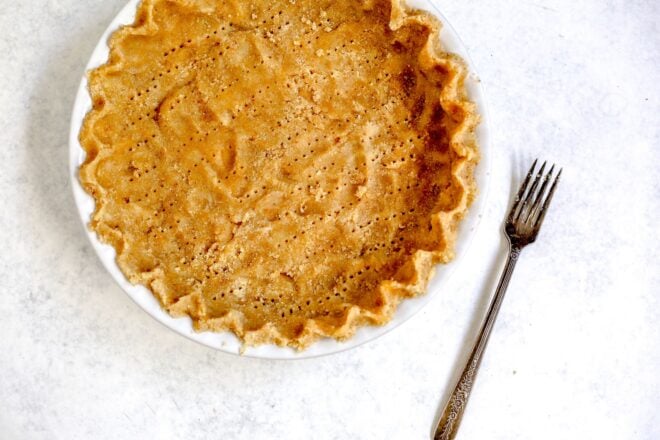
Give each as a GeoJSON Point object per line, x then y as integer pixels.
{"type": "Point", "coordinates": [575, 353]}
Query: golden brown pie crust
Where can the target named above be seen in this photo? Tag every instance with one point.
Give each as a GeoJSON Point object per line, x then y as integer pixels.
{"type": "Point", "coordinates": [286, 170]}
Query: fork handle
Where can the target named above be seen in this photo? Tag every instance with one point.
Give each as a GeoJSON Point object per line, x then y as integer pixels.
{"type": "Point", "coordinates": [453, 411]}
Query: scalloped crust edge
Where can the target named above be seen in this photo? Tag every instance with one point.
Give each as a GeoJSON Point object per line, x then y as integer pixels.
{"type": "Point", "coordinates": [412, 278]}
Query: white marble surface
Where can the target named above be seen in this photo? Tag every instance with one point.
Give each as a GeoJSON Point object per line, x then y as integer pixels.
{"type": "Point", "coordinates": [575, 353]}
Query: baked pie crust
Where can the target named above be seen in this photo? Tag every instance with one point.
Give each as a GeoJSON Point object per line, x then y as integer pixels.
{"type": "Point", "coordinates": [285, 170]}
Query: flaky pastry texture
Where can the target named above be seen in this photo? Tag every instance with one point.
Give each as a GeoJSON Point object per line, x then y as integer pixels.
{"type": "Point", "coordinates": [285, 170]}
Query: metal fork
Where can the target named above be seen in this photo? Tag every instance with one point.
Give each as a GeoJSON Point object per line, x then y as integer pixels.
{"type": "Point", "coordinates": [521, 227]}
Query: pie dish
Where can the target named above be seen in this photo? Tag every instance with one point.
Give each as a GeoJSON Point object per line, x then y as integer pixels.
{"type": "Point", "coordinates": [287, 172]}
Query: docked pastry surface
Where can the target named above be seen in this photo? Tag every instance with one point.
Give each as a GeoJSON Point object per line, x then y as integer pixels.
{"type": "Point", "coordinates": [286, 170]}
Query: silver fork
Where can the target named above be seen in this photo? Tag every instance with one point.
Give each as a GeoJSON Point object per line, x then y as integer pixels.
{"type": "Point", "coordinates": [522, 227]}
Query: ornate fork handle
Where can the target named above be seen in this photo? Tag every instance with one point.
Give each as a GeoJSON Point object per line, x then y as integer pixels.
{"type": "Point", "coordinates": [453, 411]}
{"type": "Point", "coordinates": [521, 227]}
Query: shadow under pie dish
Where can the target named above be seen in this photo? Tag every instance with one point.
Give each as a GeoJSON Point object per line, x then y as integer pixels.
{"type": "Point", "coordinates": [285, 171]}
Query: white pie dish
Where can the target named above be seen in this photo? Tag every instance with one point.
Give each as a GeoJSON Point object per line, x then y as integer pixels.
{"type": "Point", "coordinates": [226, 341]}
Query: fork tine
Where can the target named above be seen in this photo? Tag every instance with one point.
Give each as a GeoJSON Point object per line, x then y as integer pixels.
{"type": "Point", "coordinates": [544, 209]}
{"type": "Point", "coordinates": [521, 193]}
{"type": "Point", "coordinates": [530, 194]}
{"type": "Point", "coordinates": [533, 211]}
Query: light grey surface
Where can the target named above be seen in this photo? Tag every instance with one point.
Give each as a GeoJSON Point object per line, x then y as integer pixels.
{"type": "Point", "coordinates": [575, 353]}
